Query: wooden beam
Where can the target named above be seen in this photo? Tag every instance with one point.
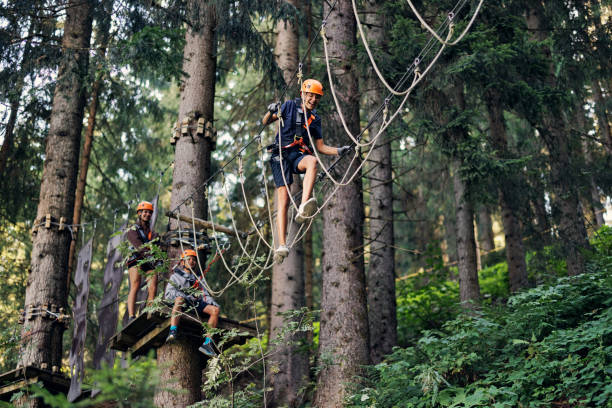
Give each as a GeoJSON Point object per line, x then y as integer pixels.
{"type": "Point", "coordinates": [206, 224]}
{"type": "Point", "coordinates": [18, 385]}
{"type": "Point", "coordinates": [144, 340]}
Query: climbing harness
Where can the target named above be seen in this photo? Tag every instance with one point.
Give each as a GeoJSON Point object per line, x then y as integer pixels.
{"type": "Point", "coordinates": [298, 140]}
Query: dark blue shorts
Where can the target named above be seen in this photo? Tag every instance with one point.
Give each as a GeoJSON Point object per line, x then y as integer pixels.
{"type": "Point", "coordinates": [291, 159]}
{"type": "Point", "coordinates": [199, 304]}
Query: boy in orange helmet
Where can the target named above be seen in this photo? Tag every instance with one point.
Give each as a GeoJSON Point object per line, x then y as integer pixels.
{"type": "Point", "coordinates": [138, 235]}
{"type": "Point", "coordinates": [299, 117]}
{"type": "Point", "coordinates": [185, 288]}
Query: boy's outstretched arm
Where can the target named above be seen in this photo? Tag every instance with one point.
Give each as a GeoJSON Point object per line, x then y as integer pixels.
{"type": "Point", "coordinates": [329, 150]}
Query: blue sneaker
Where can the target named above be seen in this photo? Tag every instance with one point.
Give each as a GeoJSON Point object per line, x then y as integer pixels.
{"type": "Point", "coordinates": [172, 336]}
{"type": "Point", "coordinates": [207, 349]}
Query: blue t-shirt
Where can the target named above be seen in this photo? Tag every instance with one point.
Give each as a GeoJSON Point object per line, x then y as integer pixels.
{"type": "Point", "coordinates": [289, 112]}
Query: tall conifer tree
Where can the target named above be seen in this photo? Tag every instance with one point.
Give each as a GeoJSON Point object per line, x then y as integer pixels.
{"type": "Point", "coordinates": [381, 268]}
{"type": "Point", "coordinates": [182, 360]}
{"type": "Point", "coordinates": [344, 337]}
{"type": "Point", "coordinates": [42, 337]}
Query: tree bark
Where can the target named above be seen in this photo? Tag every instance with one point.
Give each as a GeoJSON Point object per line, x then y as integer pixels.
{"type": "Point", "coordinates": [308, 275]}
{"type": "Point", "coordinates": [605, 133]}
{"type": "Point", "coordinates": [485, 230]}
{"type": "Point", "coordinates": [289, 359]}
{"type": "Point", "coordinates": [180, 380]}
{"type": "Point", "coordinates": [191, 169]}
{"type": "Point", "coordinates": [508, 196]}
{"type": "Point", "coordinates": [288, 356]}
{"type": "Point", "coordinates": [344, 334]}
{"type": "Point", "coordinates": [381, 270]}
{"type": "Point", "coordinates": [46, 287]}
{"type": "Point", "coordinates": [554, 132]}
{"type": "Point", "coordinates": [469, 289]}
{"type": "Point", "coordinates": [96, 88]}
{"type": "Point", "coordinates": [538, 204]}
{"type": "Point", "coordinates": [593, 198]}
{"type": "Point", "coordinates": [15, 97]}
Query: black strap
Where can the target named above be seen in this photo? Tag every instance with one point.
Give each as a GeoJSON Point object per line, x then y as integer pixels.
{"type": "Point", "coordinates": [141, 234]}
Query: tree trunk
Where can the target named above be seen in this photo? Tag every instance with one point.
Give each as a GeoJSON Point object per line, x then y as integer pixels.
{"type": "Point", "coordinates": [14, 98]}
{"type": "Point", "coordinates": [103, 34]}
{"type": "Point", "coordinates": [541, 214]}
{"type": "Point", "coordinates": [46, 287]}
{"type": "Point", "coordinates": [381, 271]}
{"type": "Point", "coordinates": [485, 230]}
{"type": "Point", "coordinates": [289, 358]}
{"type": "Point", "coordinates": [469, 289]}
{"type": "Point", "coordinates": [508, 196]}
{"type": "Point", "coordinates": [605, 134]}
{"type": "Point", "coordinates": [566, 204]}
{"type": "Point", "coordinates": [191, 169]}
{"type": "Point", "coordinates": [308, 275]}
{"type": "Point", "coordinates": [344, 337]}
{"type": "Point", "coordinates": [180, 366]}
{"type": "Point", "coordinates": [9, 133]}
{"type": "Point", "coordinates": [593, 198]}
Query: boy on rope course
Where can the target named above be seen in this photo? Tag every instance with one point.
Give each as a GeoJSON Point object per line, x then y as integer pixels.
{"type": "Point", "coordinates": [138, 235]}
{"type": "Point", "coordinates": [297, 156]}
{"type": "Point", "coordinates": [185, 288]}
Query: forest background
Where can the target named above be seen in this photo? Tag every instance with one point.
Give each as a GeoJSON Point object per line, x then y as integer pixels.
{"type": "Point", "coordinates": [481, 208]}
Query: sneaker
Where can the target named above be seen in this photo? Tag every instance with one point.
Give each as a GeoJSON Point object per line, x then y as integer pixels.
{"type": "Point", "coordinates": [306, 210]}
{"type": "Point", "coordinates": [207, 349]}
{"type": "Point", "coordinates": [172, 336]}
{"type": "Point", "coordinates": [280, 254]}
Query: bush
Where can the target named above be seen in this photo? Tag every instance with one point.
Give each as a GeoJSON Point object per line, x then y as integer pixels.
{"type": "Point", "coordinates": [427, 301]}
{"type": "Point", "coordinates": [550, 346]}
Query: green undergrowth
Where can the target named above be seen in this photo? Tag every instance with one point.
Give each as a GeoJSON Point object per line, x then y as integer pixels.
{"type": "Point", "coordinates": [547, 346]}
{"type": "Point", "coordinates": [427, 301]}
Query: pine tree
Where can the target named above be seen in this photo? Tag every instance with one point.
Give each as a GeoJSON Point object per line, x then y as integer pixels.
{"type": "Point", "coordinates": [47, 281]}
{"type": "Point", "coordinates": [191, 168]}
{"type": "Point", "coordinates": [381, 268]}
{"type": "Point", "coordinates": [344, 337]}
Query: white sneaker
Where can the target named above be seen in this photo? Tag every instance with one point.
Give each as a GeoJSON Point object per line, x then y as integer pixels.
{"type": "Point", "coordinates": [306, 210]}
{"type": "Point", "coordinates": [280, 254]}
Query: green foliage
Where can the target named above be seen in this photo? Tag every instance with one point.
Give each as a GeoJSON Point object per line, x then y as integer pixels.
{"type": "Point", "coordinates": [130, 386]}
{"type": "Point", "coordinates": [552, 345]}
{"type": "Point", "coordinates": [493, 282]}
{"type": "Point", "coordinates": [427, 301]}
{"type": "Point", "coordinates": [546, 264]}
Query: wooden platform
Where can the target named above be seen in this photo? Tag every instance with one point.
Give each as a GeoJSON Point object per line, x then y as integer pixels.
{"type": "Point", "coordinates": [20, 378]}
{"type": "Point", "coordinates": [149, 331]}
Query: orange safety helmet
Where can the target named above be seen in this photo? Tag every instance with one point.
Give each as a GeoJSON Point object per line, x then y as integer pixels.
{"type": "Point", "coordinates": [312, 85]}
{"type": "Point", "coordinates": [189, 252]}
{"type": "Point", "coordinates": [144, 205]}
